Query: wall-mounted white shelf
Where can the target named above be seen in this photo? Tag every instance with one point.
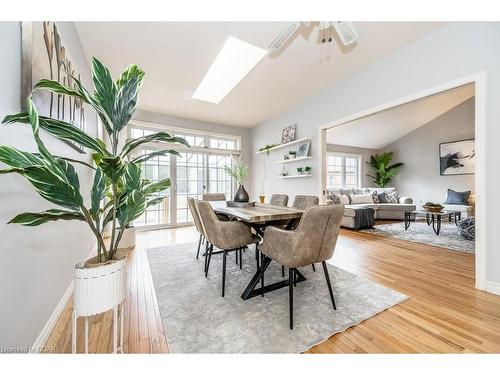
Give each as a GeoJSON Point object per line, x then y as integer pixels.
{"type": "Point", "coordinates": [283, 145]}
{"type": "Point", "coordinates": [296, 159]}
{"type": "Point", "coordinates": [295, 176]}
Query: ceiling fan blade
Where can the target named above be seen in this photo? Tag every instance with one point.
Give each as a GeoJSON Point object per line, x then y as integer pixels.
{"type": "Point", "coordinates": [346, 32]}
{"type": "Point", "coordinates": [283, 36]}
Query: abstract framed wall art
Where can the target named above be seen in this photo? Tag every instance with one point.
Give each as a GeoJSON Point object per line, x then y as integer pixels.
{"type": "Point", "coordinates": [456, 158]}
{"type": "Point", "coordinates": [45, 55]}
{"type": "Point", "coordinates": [288, 133]}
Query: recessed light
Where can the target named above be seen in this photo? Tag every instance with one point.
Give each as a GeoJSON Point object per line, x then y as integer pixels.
{"type": "Point", "coordinates": [234, 61]}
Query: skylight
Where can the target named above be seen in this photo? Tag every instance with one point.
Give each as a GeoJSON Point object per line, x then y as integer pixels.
{"type": "Point", "coordinates": [234, 61]}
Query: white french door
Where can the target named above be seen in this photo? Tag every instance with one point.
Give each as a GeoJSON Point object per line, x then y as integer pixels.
{"type": "Point", "coordinates": [192, 174]}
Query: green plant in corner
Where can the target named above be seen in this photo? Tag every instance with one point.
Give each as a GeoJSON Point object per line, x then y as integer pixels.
{"type": "Point", "coordinates": [384, 172]}
{"type": "Point", "coordinates": [119, 194]}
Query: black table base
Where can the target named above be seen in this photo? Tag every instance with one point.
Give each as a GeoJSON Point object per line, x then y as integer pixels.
{"type": "Point", "coordinates": [432, 218]}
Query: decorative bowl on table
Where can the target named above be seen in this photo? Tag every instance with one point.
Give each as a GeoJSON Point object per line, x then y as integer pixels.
{"type": "Point", "coordinates": [433, 207]}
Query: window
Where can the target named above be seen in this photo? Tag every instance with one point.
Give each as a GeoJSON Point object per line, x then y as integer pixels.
{"type": "Point", "coordinates": [343, 171]}
{"type": "Point", "coordinates": [198, 170]}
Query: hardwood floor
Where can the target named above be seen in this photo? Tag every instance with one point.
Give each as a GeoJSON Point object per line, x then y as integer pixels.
{"type": "Point", "coordinates": [445, 313]}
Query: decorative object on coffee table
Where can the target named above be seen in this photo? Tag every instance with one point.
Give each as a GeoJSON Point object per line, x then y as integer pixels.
{"type": "Point", "coordinates": [288, 133]}
{"type": "Point", "coordinates": [457, 157]}
{"type": "Point", "coordinates": [433, 207]}
{"type": "Point", "coordinates": [467, 228]}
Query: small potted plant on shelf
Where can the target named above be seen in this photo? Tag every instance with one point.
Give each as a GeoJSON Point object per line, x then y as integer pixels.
{"type": "Point", "coordinates": [307, 170]}
{"type": "Point", "coordinates": [300, 170]}
{"type": "Point", "coordinates": [292, 154]}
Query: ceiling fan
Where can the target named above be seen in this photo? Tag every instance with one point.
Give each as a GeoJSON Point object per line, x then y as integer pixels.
{"type": "Point", "coordinates": [345, 30]}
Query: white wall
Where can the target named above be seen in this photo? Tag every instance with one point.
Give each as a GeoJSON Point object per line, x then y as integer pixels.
{"type": "Point", "coordinates": [419, 178]}
{"type": "Point", "coordinates": [365, 154]}
{"type": "Point", "coordinates": [453, 51]}
{"type": "Point", "coordinates": [35, 263]}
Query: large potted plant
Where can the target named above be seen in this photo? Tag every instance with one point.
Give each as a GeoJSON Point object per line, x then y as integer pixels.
{"type": "Point", "coordinates": [118, 195]}
{"type": "Point", "coordinates": [384, 172]}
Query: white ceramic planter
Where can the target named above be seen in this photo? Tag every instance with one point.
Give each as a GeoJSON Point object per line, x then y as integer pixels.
{"type": "Point", "coordinates": [128, 239]}
{"type": "Point", "coordinates": [100, 288]}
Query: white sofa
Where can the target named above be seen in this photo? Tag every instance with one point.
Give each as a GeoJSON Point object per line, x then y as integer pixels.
{"type": "Point", "coordinates": [385, 211]}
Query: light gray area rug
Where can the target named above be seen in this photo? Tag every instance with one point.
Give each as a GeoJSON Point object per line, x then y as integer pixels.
{"type": "Point", "coordinates": [420, 232]}
{"type": "Point", "coordinates": [198, 320]}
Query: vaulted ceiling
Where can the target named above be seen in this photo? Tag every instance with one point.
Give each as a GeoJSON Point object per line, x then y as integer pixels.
{"type": "Point", "coordinates": [176, 56]}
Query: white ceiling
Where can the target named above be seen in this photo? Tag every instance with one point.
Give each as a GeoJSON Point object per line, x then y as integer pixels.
{"type": "Point", "coordinates": [381, 129]}
{"type": "Point", "coordinates": [176, 56]}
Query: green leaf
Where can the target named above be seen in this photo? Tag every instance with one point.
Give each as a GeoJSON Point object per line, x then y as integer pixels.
{"type": "Point", "coordinates": [58, 88]}
{"type": "Point", "coordinates": [132, 177]}
{"type": "Point", "coordinates": [98, 192]}
{"type": "Point", "coordinates": [61, 130]}
{"type": "Point", "coordinates": [19, 159]}
{"type": "Point", "coordinates": [36, 218]}
{"type": "Point", "coordinates": [50, 186]}
{"type": "Point", "coordinates": [104, 87]}
{"type": "Point", "coordinates": [70, 173]}
{"type": "Point", "coordinates": [157, 187]}
{"type": "Point", "coordinates": [113, 168]}
{"type": "Point", "coordinates": [134, 206]}
{"type": "Point", "coordinates": [155, 137]}
{"type": "Point", "coordinates": [131, 71]}
{"type": "Point", "coordinates": [125, 103]}
{"type": "Point", "coordinates": [154, 201]}
{"type": "Point", "coordinates": [146, 157]}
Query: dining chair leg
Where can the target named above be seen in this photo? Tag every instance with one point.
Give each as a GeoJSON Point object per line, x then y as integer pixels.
{"type": "Point", "coordinates": [199, 245]}
{"type": "Point", "coordinates": [206, 255]}
{"type": "Point", "coordinates": [327, 277]}
{"type": "Point", "coordinates": [224, 256]}
{"type": "Point", "coordinates": [314, 268]}
{"type": "Point", "coordinates": [241, 258]}
{"type": "Point", "coordinates": [262, 274]}
{"type": "Point", "coordinates": [291, 280]}
{"type": "Point", "coordinates": [294, 277]}
{"type": "Point", "coordinates": [257, 256]}
{"type": "Point", "coordinates": [236, 253]}
{"type": "Point", "coordinates": [282, 271]}
{"type": "Point", "coordinates": [209, 257]}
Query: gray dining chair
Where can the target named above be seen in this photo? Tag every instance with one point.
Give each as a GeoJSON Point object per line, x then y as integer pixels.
{"type": "Point", "coordinates": [225, 235]}
{"type": "Point", "coordinates": [279, 200]}
{"type": "Point", "coordinates": [313, 241]}
{"type": "Point", "coordinates": [305, 201]}
{"type": "Point", "coordinates": [197, 223]}
{"type": "Point", "coordinates": [212, 197]}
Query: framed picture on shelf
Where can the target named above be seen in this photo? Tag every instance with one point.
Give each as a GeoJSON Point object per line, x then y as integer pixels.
{"type": "Point", "coordinates": [288, 133]}
{"type": "Point", "coordinates": [457, 157]}
{"type": "Point", "coordinates": [303, 149]}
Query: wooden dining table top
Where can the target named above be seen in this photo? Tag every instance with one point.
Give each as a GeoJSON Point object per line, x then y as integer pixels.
{"type": "Point", "coordinates": [261, 212]}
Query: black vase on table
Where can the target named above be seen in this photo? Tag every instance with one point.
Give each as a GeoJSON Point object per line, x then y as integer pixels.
{"type": "Point", "coordinates": [241, 195]}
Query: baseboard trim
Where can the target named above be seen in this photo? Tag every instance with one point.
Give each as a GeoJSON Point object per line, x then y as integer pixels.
{"type": "Point", "coordinates": [44, 335]}
{"type": "Point", "coordinates": [493, 287]}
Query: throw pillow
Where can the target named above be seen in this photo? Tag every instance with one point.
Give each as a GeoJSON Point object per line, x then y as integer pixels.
{"type": "Point", "coordinates": [457, 197]}
{"type": "Point", "coordinates": [382, 198]}
{"type": "Point", "coordinates": [359, 199]}
{"type": "Point", "coordinates": [333, 197]}
{"type": "Point", "coordinates": [344, 199]}
{"type": "Point", "coordinates": [375, 197]}
{"type": "Point", "coordinates": [392, 197]}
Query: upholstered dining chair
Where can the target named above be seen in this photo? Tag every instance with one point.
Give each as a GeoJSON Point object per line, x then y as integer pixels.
{"type": "Point", "coordinates": [197, 223]}
{"type": "Point", "coordinates": [225, 235]}
{"type": "Point", "coordinates": [313, 241]}
{"type": "Point", "coordinates": [211, 197]}
{"type": "Point", "coordinates": [279, 200]}
{"type": "Point", "coordinates": [305, 201]}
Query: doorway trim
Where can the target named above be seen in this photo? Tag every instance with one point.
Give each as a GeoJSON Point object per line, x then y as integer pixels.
{"type": "Point", "coordinates": [479, 81]}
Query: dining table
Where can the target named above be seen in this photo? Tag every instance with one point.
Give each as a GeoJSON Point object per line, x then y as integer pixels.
{"type": "Point", "coordinates": [258, 217]}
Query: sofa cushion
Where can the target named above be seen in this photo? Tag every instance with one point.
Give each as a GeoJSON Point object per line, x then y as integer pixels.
{"type": "Point", "coordinates": [392, 197]}
{"type": "Point", "coordinates": [457, 197]}
{"type": "Point", "coordinates": [395, 207]}
{"type": "Point", "coordinates": [365, 198]}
